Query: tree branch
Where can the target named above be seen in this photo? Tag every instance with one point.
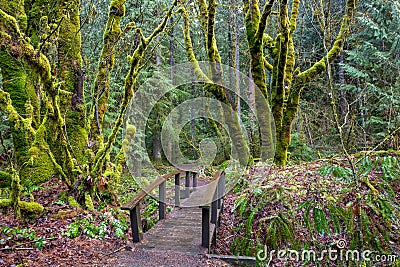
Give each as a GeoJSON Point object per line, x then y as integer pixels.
{"type": "Point", "coordinates": [189, 48]}
{"type": "Point", "coordinates": [263, 20]}
{"type": "Point", "coordinates": [203, 15]}
{"type": "Point", "coordinates": [320, 66]}
{"type": "Point", "coordinates": [268, 65]}
{"type": "Point", "coordinates": [130, 80]}
{"type": "Point", "coordinates": [291, 60]}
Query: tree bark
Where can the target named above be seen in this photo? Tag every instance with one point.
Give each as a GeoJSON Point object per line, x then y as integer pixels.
{"type": "Point", "coordinates": [287, 82]}
{"type": "Point", "coordinates": [214, 85]}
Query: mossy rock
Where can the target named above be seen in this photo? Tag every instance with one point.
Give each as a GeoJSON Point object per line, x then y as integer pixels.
{"type": "Point", "coordinates": [66, 214]}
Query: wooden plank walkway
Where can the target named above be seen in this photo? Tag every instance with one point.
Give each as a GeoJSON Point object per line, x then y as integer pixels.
{"type": "Point", "coordinates": [180, 231]}
{"type": "Point", "coordinates": [190, 227]}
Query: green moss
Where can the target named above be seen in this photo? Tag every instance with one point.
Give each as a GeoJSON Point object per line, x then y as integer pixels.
{"type": "Point", "coordinates": [117, 8]}
{"type": "Point", "coordinates": [19, 80]}
{"type": "Point", "coordinates": [72, 202]}
{"type": "Point", "coordinates": [66, 214]}
{"type": "Point", "coordinates": [5, 179]}
{"type": "Point", "coordinates": [4, 203]}
{"type": "Point", "coordinates": [88, 202]}
{"type": "Point", "coordinates": [16, 9]}
{"type": "Point", "coordinates": [77, 134]}
{"type": "Point", "coordinates": [40, 167]}
{"type": "Point", "coordinates": [31, 208]}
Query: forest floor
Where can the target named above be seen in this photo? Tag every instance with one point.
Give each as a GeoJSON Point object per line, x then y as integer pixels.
{"type": "Point", "coordinates": [44, 242]}
{"type": "Point", "coordinates": [47, 240]}
{"type": "Point", "coordinates": [69, 236]}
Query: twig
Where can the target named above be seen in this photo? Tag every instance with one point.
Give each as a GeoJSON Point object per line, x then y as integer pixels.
{"type": "Point", "coordinates": [115, 251]}
{"type": "Point", "coordinates": [15, 248]}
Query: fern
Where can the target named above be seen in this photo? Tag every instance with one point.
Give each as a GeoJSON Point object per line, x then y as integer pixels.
{"type": "Point", "coordinates": [334, 216]}
{"type": "Point", "coordinates": [240, 204]}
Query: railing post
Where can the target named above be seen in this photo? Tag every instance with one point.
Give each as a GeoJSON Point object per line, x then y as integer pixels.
{"type": "Point", "coordinates": [187, 184]}
{"type": "Point", "coordinates": [194, 181]}
{"type": "Point", "coordinates": [205, 226]}
{"type": "Point", "coordinates": [214, 237]}
{"type": "Point", "coordinates": [161, 201]}
{"type": "Point", "coordinates": [214, 207]}
{"type": "Point", "coordinates": [221, 189]}
{"type": "Point", "coordinates": [177, 189]}
{"type": "Point", "coordinates": [223, 185]}
{"type": "Point", "coordinates": [136, 224]}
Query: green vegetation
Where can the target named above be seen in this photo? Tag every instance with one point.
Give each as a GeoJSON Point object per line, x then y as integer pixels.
{"type": "Point", "coordinates": [321, 203]}
{"type": "Point", "coordinates": [109, 224]}
{"type": "Point", "coordinates": [310, 105]}
{"type": "Point", "coordinates": [20, 236]}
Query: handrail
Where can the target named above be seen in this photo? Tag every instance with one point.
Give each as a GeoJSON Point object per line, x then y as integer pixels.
{"type": "Point", "coordinates": [209, 199]}
{"type": "Point", "coordinates": [210, 213]}
{"type": "Point", "coordinates": [144, 192]}
{"type": "Point", "coordinates": [133, 206]}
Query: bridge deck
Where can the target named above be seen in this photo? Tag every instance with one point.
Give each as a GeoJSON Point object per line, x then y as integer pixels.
{"type": "Point", "coordinates": [181, 231]}
{"type": "Point", "coordinates": [186, 229]}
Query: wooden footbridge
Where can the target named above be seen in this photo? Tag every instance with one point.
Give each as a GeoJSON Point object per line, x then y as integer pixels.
{"type": "Point", "coordinates": [192, 225]}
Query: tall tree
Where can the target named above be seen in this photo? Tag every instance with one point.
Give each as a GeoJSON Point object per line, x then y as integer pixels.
{"type": "Point", "coordinates": [46, 71]}
{"type": "Point", "coordinates": [214, 85]}
{"type": "Point", "coordinates": [287, 80]}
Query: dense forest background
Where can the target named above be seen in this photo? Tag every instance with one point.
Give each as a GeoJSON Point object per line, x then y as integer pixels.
{"type": "Point", "coordinates": [364, 77]}
{"type": "Point", "coordinates": [359, 93]}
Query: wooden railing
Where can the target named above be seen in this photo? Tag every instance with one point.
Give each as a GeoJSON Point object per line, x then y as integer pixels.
{"type": "Point", "coordinates": [209, 198]}
{"type": "Point", "coordinates": [133, 206]}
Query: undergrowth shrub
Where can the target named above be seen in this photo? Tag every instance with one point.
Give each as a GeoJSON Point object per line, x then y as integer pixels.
{"type": "Point", "coordinates": [313, 209]}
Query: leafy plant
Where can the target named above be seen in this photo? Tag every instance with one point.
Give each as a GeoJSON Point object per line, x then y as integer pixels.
{"type": "Point", "coordinates": [364, 210]}
{"type": "Point", "coordinates": [88, 227]}
{"type": "Point", "coordinates": [299, 150]}
{"type": "Point", "coordinates": [20, 236]}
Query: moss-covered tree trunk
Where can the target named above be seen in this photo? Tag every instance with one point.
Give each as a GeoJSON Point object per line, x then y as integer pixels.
{"type": "Point", "coordinates": [256, 22]}
{"type": "Point", "coordinates": [48, 68]}
{"type": "Point", "coordinates": [111, 36]}
{"type": "Point", "coordinates": [22, 81]}
{"type": "Point", "coordinates": [214, 86]}
{"type": "Point", "coordinates": [72, 102]}
{"type": "Point", "coordinates": [287, 81]}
